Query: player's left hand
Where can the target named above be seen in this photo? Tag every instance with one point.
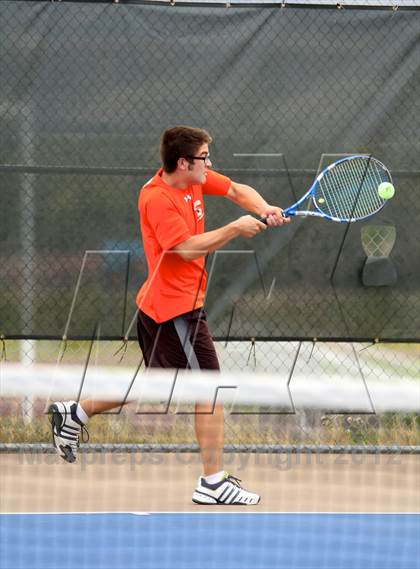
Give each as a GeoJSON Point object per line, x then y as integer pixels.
{"type": "Point", "coordinates": [274, 216]}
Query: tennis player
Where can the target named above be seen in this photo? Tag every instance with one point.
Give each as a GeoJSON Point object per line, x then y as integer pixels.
{"type": "Point", "coordinates": [171, 325]}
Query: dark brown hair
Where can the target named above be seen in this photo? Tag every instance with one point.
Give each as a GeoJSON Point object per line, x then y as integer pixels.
{"type": "Point", "coordinates": [180, 142]}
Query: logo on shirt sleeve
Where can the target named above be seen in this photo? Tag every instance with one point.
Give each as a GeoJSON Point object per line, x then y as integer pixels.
{"type": "Point", "coordinates": [198, 208]}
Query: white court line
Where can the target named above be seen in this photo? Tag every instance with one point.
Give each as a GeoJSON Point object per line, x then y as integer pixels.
{"type": "Point", "coordinates": [69, 513]}
{"type": "Point", "coordinates": [216, 512]}
{"type": "Point", "coordinates": [247, 512]}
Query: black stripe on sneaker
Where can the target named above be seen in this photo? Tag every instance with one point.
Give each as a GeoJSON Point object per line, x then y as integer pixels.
{"type": "Point", "coordinates": [223, 494]}
{"type": "Point", "coordinates": [227, 496]}
{"type": "Point", "coordinates": [70, 430]}
{"type": "Point", "coordinates": [72, 427]}
{"type": "Point", "coordinates": [67, 437]}
{"type": "Point", "coordinates": [233, 497]}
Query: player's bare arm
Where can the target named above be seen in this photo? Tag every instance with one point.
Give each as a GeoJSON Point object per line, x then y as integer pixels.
{"type": "Point", "coordinates": [249, 199]}
{"type": "Point", "coordinates": [199, 245]}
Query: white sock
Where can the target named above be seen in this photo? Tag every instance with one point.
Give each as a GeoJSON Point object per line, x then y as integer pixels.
{"type": "Point", "coordinates": [80, 412]}
{"type": "Point", "coordinates": [215, 478]}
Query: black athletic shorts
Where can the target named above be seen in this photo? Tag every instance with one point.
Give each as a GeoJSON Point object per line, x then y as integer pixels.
{"type": "Point", "coordinates": [183, 342]}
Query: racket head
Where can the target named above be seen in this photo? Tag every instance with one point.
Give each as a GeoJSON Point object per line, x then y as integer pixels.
{"type": "Point", "coordinates": [347, 190]}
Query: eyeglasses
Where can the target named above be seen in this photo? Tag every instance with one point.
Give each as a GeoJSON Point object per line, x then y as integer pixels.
{"type": "Point", "coordinates": [205, 159]}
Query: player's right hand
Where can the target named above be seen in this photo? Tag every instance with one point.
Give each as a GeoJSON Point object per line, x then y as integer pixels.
{"type": "Point", "coordinates": [248, 226]}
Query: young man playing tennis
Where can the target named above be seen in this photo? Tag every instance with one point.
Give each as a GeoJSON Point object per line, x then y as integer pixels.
{"type": "Point", "coordinates": [171, 317]}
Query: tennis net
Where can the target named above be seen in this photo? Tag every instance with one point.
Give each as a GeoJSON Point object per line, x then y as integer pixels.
{"type": "Point", "coordinates": [334, 457]}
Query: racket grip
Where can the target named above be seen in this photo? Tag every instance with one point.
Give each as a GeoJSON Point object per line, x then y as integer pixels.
{"type": "Point", "coordinates": [285, 214]}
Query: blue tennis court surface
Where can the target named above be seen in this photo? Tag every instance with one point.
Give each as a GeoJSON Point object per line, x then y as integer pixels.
{"type": "Point", "coordinates": [205, 540]}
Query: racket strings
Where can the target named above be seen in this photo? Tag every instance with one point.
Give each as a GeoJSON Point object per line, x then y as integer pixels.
{"type": "Point", "coordinates": [355, 192]}
{"type": "Point", "coordinates": [344, 188]}
{"type": "Point", "coordinates": [360, 195]}
{"type": "Point", "coordinates": [369, 177]}
{"type": "Point", "coordinates": [350, 189]}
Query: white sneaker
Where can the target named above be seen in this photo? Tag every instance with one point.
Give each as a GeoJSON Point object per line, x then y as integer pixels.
{"type": "Point", "coordinates": [227, 492]}
{"type": "Point", "coordinates": [66, 429]}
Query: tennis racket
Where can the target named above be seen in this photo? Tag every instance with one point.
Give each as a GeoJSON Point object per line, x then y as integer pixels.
{"type": "Point", "coordinates": [345, 191]}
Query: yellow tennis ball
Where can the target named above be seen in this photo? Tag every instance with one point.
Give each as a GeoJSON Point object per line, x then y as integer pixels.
{"type": "Point", "coordinates": [321, 200]}
{"type": "Point", "coordinates": [386, 191]}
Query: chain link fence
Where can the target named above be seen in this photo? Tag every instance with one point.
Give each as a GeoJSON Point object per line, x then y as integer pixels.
{"type": "Point", "coordinates": [87, 89]}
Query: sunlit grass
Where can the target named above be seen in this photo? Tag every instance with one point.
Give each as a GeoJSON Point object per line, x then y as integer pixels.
{"type": "Point", "coordinates": [129, 428]}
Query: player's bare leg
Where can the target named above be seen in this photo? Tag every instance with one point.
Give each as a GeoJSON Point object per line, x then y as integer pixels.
{"type": "Point", "coordinates": [93, 407]}
{"type": "Point", "coordinates": [216, 487]}
{"type": "Point", "coordinates": [210, 432]}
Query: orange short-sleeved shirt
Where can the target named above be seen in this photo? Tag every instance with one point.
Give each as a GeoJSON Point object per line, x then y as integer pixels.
{"type": "Point", "coordinates": [169, 216]}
